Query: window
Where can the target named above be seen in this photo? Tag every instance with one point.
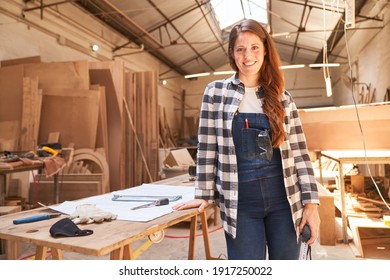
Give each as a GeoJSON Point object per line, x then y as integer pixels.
{"type": "Point", "coordinates": [229, 12]}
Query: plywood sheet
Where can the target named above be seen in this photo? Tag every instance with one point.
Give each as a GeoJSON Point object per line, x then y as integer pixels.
{"type": "Point", "coordinates": [102, 129]}
{"type": "Point", "coordinates": [9, 135]}
{"type": "Point", "coordinates": [44, 191]}
{"type": "Point", "coordinates": [337, 128]}
{"type": "Point", "coordinates": [23, 60]}
{"type": "Point", "coordinates": [103, 77]}
{"type": "Point", "coordinates": [72, 113]}
{"type": "Point", "coordinates": [117, 71]}
{"type": "Point", "coordinates": [11, 93]}
{"type": "Point", "coordinates": [32, 101]}
{"type": "Point", "coordinates": [68, 74]}
{"type": "Point", "coordinates": [142, 128]}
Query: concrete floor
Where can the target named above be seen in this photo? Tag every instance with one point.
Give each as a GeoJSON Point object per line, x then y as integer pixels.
{"type": "Point", "coordinates": [174, 246]}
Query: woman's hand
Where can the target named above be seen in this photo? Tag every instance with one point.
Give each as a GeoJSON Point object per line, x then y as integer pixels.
{"type": "Point", "coordinates": [200, 203]}
{"type": "Point", "coordinates": [312, 219]}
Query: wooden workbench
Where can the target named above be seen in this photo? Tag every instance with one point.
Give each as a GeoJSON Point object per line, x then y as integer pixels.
{"type": "Point", "coordinates": [113, 237]}
{"type": "Point", "coordinates": [355, 157]}
{"type": "Point", "coordinates": [10, 169]}
{"type": "Point", "coordinates": [40, 164]}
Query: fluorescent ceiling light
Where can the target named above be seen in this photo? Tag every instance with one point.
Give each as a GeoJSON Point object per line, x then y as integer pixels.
{"type": "Point", "coordinates": [196, 75]}
{"type": "Point", "coordinates": [292, 66]}
{"type": "Point", "coordinates": [328, 86]}
{"type": "Point", "coordinates": [324, 65]}
{"type": "Point", "coordinates": [224, 72]}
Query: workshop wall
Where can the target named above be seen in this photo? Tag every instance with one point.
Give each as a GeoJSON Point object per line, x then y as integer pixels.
{"type": "Point", "coordinates": [56, 39]}
{"type": "Point", "coordinates": [370, 61]}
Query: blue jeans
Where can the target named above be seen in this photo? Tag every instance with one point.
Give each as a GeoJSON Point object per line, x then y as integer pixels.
{"type": "Point", "coordinates": [264, 223]}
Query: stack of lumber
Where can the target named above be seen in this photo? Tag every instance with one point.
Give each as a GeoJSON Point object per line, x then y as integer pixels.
{"type": "Point", "coordinates": [358, 207]}
{"type": "Point", "coordinates": [83, 104]}
{"type": "Point", "coordinates": [141, 128]}
{"type": "Point", "coordinates": [166, 138]}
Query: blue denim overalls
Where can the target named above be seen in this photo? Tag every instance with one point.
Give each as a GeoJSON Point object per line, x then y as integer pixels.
{"type": "Point", "coordinates": [264, 217]}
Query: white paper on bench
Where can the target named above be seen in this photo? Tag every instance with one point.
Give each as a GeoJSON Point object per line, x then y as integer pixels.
{"type": "Point", "coordinates": [122, 208]}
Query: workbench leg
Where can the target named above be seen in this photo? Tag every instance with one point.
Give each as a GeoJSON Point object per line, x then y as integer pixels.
{"type": "Point", "coordinates": [56, 189]}
{"type": "Point", "coordinates": [206, 240]}
{"type": "Point", "coordinates": [40, 253]}
{"type": "Point", "coordinates": [3, 188]}
{"type": "Point", "coordinates": [12, 249]}
{"type": "Point", "coordinates": [123, 253]}
{"type": "Point", "coordinates": [117, 254]}
{"type": "Point", "coordinates": [343, 208]}
{"type": "Point", "coordinates": [191, 245]}
{"type": "Point", "coordinates": [128, 252]}
{"type": "Point", "coordinates": [56, 254]}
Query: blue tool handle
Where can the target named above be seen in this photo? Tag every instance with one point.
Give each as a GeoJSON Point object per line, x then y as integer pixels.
{"type": "Point", "coordinates": [32, 219]}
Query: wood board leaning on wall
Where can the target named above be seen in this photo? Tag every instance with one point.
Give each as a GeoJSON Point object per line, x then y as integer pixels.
{"type": "Point", "coordinates": [83, 102]}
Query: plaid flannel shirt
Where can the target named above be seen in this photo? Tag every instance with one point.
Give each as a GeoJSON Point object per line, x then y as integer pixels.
{"type": "Point", "coordinates": [217, 177]}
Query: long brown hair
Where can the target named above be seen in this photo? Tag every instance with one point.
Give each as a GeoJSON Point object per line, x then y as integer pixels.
{"type": "Point", "coordinates": [271, 76]}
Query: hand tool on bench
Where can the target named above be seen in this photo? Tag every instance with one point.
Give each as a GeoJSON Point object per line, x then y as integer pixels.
{"type": "Point", "coordinates": [157, 202]}
{"type": "Point", "coordinates": [35, 218]}
{"type": "Point", "coordinates": [144, 198]}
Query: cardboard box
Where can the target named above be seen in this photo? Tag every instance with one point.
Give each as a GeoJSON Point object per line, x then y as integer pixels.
{"type": "Point", "coordinates": [179, 157]}
{"type": "Point", "coordinates": [357, 183]}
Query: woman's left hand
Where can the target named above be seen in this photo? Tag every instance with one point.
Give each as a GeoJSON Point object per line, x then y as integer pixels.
{"type": "Point", "coordinates": [312, 219]}
{"type": "Point", "coordinates": [200, 203]}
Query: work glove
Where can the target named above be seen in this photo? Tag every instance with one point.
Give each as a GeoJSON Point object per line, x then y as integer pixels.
{"type": "Point", "coordinates": [88, 214]}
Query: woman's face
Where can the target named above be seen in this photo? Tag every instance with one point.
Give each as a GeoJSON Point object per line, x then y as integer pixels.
{"type": "Point", "coordinates": [248, 55]}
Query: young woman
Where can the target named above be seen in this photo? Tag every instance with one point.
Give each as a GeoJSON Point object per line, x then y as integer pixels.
{"type": "Point", "coordinates": [252, 158]}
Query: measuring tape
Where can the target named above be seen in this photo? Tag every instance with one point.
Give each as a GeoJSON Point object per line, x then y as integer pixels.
{"type": "Point", "coordinates": [305, 251]}
{"type": "Point", "coordinates": [305, 248]}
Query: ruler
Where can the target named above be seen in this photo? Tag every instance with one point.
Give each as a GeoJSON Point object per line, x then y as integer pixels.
{"type": "Point", "coordinates": [304, 251]}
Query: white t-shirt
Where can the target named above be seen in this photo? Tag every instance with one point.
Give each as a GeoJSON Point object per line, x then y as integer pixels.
{"type": "Point", "coordinates": [250, 102]}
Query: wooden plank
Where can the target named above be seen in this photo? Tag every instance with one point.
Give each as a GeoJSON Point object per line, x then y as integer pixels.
{"type": "Point", "coordinates": [68, 190]}
{"type": "Point", "coordinates": [340, 129]}
{"type": "Point", "coordinates": [59, 75]}
{"type": "Point", "coordinates": [103, 77]}
{"type": "Point", "coordinates": [357, 183]}
{"type": "Point", "coordinates": [73, 113]}
{"type": "Point", "coordinates": [5, 210]}
{"type": "Point", "coordinates": [154, 140]}
{"type": "Point", "coordinates": [71, 177]}
{"type": "Point", "coordinates": [327, 212]}
{"type": "Point", "coordinates": [356, 224]}
{"type": "Point", "coordinates": [11, 93]}
{"type": "Point", "coordinates": [116, 68]}
{"type": "Point", "coordinates": [130, 141]}
{"type": "Point", "coordinates": [9, 135]}
{"type": "Point", "coordinates": [102, 129]}
{"type": "Point", "coordinates": [32, 103]}
{"type": "Point", "coordinates": [54, 137]}
{"type": "Point", "coordinates": [23, 60]}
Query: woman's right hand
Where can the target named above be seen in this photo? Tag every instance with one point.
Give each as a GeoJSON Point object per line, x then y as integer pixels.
{"type": "Point", "coordinates": [200, 203]}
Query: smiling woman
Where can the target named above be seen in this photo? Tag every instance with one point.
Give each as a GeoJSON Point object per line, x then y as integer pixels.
{"type": "Point", "coordinates": [252, 158]}
{"type": "Point", "coordinates": [248, 54]}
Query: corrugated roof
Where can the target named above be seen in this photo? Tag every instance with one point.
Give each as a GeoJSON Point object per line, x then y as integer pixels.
{"type": "Point", "coordinates": [185, 36]}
